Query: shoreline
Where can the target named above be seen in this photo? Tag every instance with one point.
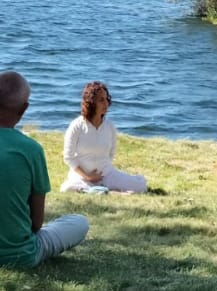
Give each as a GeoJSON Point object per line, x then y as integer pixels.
{"type": "Point", "coordinates": [32, 129]}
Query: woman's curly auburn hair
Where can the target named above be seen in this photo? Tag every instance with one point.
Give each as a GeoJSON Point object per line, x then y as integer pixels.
{"type": "Point", "coordinates": [89, 96]}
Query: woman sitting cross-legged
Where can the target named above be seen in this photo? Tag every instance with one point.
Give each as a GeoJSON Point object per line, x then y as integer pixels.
{"type": "Point", "coordinates": [89, 147]}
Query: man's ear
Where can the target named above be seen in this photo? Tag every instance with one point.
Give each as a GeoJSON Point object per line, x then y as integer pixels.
{"type": "Point", "coordinates": [23, 108]}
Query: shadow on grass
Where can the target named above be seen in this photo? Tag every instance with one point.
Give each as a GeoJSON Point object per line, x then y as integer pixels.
{"type": "Point", "coordinates": [159, 235]}
{"type": "Point", "coordinates": [123, 269]}
{"type": "Point", "coordinates": [98, 208]}
{"type": "Point", "coordinates": [157, 191]}
{"type": "Point", "coordinates": [130, 259]}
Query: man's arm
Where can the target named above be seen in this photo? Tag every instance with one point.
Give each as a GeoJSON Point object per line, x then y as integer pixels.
{"type": "Point", "coordinates": [37, 203]}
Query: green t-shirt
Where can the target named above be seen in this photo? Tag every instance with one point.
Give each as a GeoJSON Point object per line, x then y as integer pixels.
{"type": "Point", "coordinates": [23, 171]}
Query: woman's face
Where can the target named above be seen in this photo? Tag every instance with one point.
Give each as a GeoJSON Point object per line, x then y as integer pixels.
{"type": "Point", "coordinates": [101, 103]}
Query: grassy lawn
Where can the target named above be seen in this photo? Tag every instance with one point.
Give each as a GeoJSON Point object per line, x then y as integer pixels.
{"type": "Point", "coordinates": [163, 240]}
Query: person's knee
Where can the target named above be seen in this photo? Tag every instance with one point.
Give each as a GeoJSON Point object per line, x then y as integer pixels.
{"type": "Point", "coordinates": [83, 223]}
{"type": "Point", "coordinates": [74, 224]}
{"type": "Point", "coordinates": [79, 224]}
{"type": "Point", "coordinates": [77, 228]}
{"type": "Point", "coordinates": [142, 186]}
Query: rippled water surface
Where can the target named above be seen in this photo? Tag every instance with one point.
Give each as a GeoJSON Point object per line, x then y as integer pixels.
{"type": "Point", "coordinates": [159, 63]}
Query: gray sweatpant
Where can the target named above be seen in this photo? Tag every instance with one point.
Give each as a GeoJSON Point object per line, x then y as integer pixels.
{"type": "Point", "coordinates": [60, 234]}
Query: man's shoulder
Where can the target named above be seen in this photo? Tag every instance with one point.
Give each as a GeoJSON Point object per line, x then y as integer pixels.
{"type": "Point", "coordinates": [28, 142]}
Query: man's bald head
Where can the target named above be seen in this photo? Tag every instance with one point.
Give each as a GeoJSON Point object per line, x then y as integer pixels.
{"type": "Point", "coordinates": [14, 95]}
{"type": "Point", "coordinates": [14, 91]}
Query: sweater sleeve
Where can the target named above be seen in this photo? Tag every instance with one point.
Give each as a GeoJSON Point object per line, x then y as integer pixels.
{"type": "Point", "coordinates": [70, 144]}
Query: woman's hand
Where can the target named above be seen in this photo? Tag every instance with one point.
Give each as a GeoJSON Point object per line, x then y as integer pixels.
{"type": "Point", "coordinates": [93, 176]}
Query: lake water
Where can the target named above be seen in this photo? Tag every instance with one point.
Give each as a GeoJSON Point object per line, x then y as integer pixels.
{"type": "Point", "coordinates": [159, 63]}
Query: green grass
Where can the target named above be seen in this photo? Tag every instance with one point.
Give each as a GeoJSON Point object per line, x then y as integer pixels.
{"type": "Point", "coordinates": [163, 240]}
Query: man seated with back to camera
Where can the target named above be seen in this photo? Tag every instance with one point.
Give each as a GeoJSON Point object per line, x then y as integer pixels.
{"type": "Point", "coordinates": [24, 181]}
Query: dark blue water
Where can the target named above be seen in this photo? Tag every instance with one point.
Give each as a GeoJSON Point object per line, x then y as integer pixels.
{"type": "Point", "coordinates": [159, 63]}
